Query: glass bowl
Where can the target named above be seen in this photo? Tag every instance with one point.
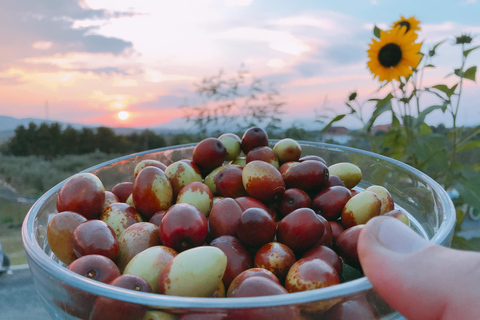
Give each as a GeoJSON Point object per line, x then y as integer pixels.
{"type": "Point", "coordinates": [429, 207]}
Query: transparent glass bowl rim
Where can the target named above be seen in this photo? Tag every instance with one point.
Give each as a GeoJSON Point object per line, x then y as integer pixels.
{"type": "Point", "coordinates": [56, 271]}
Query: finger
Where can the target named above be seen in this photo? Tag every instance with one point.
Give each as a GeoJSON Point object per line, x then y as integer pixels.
{"type": "Point", "coordinates": [419, 279]}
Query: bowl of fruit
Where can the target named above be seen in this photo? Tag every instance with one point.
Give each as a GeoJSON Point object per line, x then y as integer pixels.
{"type": "Point", "coordinates": [228, 228]}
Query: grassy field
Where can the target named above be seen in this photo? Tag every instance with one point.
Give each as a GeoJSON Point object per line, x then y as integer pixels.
{"type": "Point", "coordinates": [11, 240]}
{"type": "Point", "coordinates": [32, 176]}
{"type": "Point", "coordinates": [11, 218]}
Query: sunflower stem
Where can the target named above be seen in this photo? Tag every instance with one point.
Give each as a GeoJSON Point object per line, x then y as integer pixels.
{"type": "Point", "coordinates": [455, 110]}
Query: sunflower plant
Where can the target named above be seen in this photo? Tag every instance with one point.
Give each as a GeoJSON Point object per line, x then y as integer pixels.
{"type": "Point", "coordinates": [399, 61]}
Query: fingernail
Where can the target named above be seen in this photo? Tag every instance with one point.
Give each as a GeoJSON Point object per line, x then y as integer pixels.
{"type": "Point", "coordinates": [396, 236]}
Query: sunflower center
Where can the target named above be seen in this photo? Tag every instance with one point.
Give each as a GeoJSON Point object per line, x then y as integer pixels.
{"type": "Point", "coordinates": [390, 55]}
{"type": "Point", "coordinates": [404, 24]}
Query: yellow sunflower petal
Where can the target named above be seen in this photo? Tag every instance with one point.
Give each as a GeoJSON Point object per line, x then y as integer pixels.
{"type": "Point", "coordinates": [393, 45]}
{"type": "Point", "coordinates": [409, 25]}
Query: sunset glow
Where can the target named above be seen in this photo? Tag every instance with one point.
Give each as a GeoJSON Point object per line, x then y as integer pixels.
{"type": "Point", "coordinates": [94, 59]}
{"type": "Point", "coordinates": [123, 115]}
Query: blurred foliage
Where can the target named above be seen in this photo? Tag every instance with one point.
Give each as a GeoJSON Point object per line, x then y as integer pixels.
{"type": "Point", "coordinates": [241, 100]}
{"type": "Point", "coordinates": [448, 155]}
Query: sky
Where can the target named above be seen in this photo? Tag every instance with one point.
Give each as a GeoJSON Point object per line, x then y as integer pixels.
{"type": "Point", "coordinates": [134, 63]}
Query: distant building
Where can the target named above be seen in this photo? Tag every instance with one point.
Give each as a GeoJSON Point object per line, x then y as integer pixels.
{"type": "Point", "coordinates": [339, 135]}
{"type": "Point", "coordinates": [383, 128]}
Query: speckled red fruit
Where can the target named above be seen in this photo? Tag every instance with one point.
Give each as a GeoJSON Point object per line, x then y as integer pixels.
{"type": "Point", "coordinates": [263, 153]}
{"type": "Point", "coordinates": [252, 272]}
{"type": "Point", "coordinates": [84, 194]}
{"type": "Point", "coordinates": [123, 190]}
{"type": "Point", "coordinates": [337, 229]}
{"type": "Point", "coordinates": [294, 199]}
{"type": "Point", "coordinates": [329, 203]}
{"type": "Point", "coordinates": [249, 202]}
{"type": "Point", "coordinates": [152, 191]}
{"type": "Point", "coordinates": [229, 182]}
{"type": "Point", "coordinates": [180, 173]}
{"type": "Point", "coordinates": [254, 137]}
{"type": "Point", "coordinates": [238, 258]}
{"type": "Point", "coordinates": [197, 194]}
{"type": "Point", "coordinates": [183, 227]}
{"type": "Point", "coordinates": [307, 175]}
{"type": "Point", "coordinates": [59, 234]}
{"type": "Point", "coordinates": [275, 257]}
{"type": "Point", "coordinates": [300, 230]}
{"type": "Point", "coordinates": [326, 254]}
{"type": "Point", "coordinates": [94, 267]}
{"type": "Point", "coordinates": [312, 157]}
{"type": "Point", "coordinates": [110, 198]}
{"type": "Point", "coordinates": [112, 309]}
{"type": "Point", "coordinates": [356, 307]}
{"type": "Point", "coordinates": [156, 219]}
{"type": "Point", "coordinates": [334, 180]}
{"type": "Point", "coordinates": [120, 216]}
{"type": "Point", "coordinates": [259, 286]}
{"type": "Point", "coordinates": [95, 237]}
{"type": "Point", "coordinates": [327, 238]}
{"type": "Point", "coordinates": [256, 227]}
{"type": "Point", "coordinates": [310, 274]}
{"type": "Point", "coordinates": [209, 154]}
{"type": "Point", "coordinates": [135, 239]}
{"type": "Point", "coordinates": [148, 163]}
{"type": "Point", "coordinates": [233, 144]}
{"type": "Point", "coordinates": [263, 181]}
{"type": "Point", "coordinates": [224, 217]}
{"type": "Point", "coordinates": [347, 245]}
{"type": "Point", "coordinates": [287, 150]}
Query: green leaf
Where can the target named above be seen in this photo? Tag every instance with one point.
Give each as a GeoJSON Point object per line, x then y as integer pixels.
{"type": "Point", "coordinates": [441, 87]}
{"type": "Point", "coordinates": [376, 32]}
{"type": "Point", "coordinates": [423, 114]}
{"type": "Point", "coordinates": [467, 52]}
{"type": "Point", "coordinates": [469, 145]}
{"type": "Point", "coordinates": [352, 109]}
{"type": "Point", "coordinates": [337, 118]}
{"type": "Point", "coordinates": [470, 73]}
{"type": "Point", "coordinates": [460, 217]}
{"type": "Point", "coordinates": [349, 273]}
{"type": "Point", "coordinates": [429, 66]}
{"type": "Point", "coordinates": [461, 243]}
{"type": "Point", "coordinates": [382, 106]}
{"type": "Point", "coordinates": [432, 52]}
{"type": "Point", "coordinates": [436, 93]}
{"type": "Point", "coordinates": [469, 190]}
{"type": "Point", "coordinates": [395, 122]}
{"type": "Point", "coordinates": [438, 43]}
{"type": "Point", "coordinates": [445, 89]}
{"type": "Point", "coordinates": [425, 129]}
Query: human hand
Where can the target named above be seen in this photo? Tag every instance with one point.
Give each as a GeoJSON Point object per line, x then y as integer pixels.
{"type": "Point", "coordinates": [417, 278]}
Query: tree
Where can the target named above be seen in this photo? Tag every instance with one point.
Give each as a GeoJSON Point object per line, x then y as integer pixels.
{"type": "Point", "coordinates": [86, 141]}
{"type": "Point", "coordinates": [70, 141]}
{"type": "Point", "coordinates": [240, 97]}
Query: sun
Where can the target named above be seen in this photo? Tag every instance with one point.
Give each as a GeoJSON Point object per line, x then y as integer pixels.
{"type": "Point", "coordinates": [123, 115]}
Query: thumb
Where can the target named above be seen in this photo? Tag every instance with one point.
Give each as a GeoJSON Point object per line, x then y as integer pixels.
{"type": "Point", "coordinates": [417, 278]}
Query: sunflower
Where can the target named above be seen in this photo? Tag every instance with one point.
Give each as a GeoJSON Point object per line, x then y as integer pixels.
{"type": "Point", "coordinates": [410, 24]}
{"type": "Point", "coordinates": [394, 55]}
